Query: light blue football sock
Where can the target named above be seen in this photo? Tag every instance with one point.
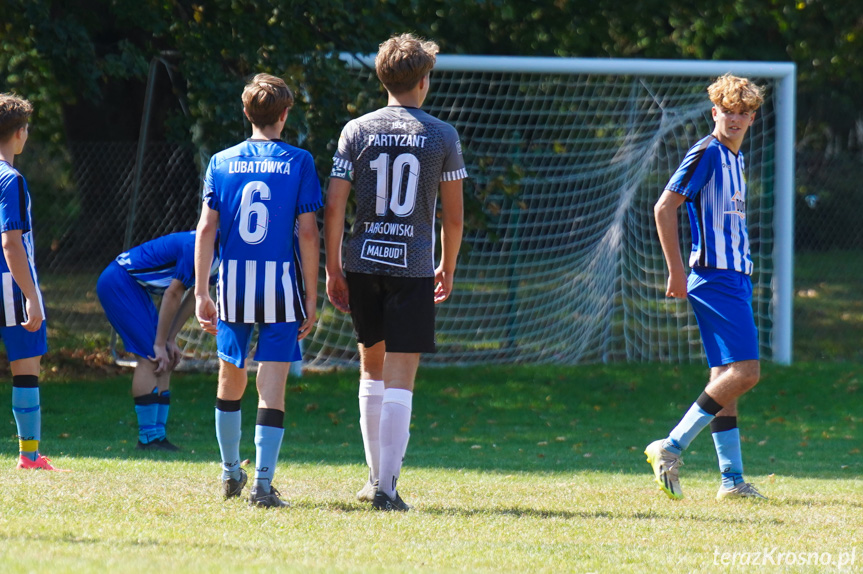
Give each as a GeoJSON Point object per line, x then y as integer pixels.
{"type": "Point", "coordinates": [268, 441]}
{"type": "Point", "coordinates": [693, 422]}
{"type": "Point", "coordinates": [28, 414]}
{"type": "Point", "coordinates": [228, 434]}
{"type": "Point", "coordinates": [726, 438]}
{"type": "Point", "coordinates": [147, 409]}
{"type": "Point", "coordinates": [162, 414]}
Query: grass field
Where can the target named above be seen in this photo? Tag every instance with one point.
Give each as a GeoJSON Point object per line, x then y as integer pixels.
{"type": "Point", "coordinates": [524, 469]}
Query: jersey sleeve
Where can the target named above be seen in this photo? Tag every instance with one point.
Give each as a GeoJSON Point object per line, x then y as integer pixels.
{"type": "Point", "coordinates": [453, 163]}
{"type": "Point", "coordinates": [343, 161]}
{"type": "Point", "coordinates": [13, 205]}
{"type": "Point", "coordinates": [309, 197]}
{"type": "Point", "coordinates": [694, 172]}
{"type": "Point", "coordinates": [210, 196]}
{"type": "Point", "coordinates": [185, 271]}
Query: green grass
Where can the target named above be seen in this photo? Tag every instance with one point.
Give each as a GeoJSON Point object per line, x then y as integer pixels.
{"type": "Point", "coordinates": [523, 469]}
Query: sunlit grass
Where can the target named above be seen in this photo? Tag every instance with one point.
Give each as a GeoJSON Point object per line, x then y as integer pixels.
{"type": "Point", "coordinates": [508, 469]}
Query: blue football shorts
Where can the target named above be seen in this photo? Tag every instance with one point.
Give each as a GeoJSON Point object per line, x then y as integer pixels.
{"type": "Point", "coordinates": [129, 309]}
{"type": "Point", "coordinates": [277, 342]}
{"type": "Point", "coordinates": [722, 302]}
{"type": "Point", "coordinates": [23, 344]}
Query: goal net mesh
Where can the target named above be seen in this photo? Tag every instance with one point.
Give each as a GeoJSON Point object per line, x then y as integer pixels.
{"type": "Point", "coordinates": [561, 263]}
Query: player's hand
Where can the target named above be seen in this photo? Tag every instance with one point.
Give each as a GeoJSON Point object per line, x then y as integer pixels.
{"type": "Point", "coordinates": [676, 286]}
{"type": "Point", "coordinates": [160, 357]}
{"type": "Point", "coordinates": [443, 285]}
{"type": "Point", "coordinates": [208, 317]}
{"type": "Point", "coordinates": [311, 317]}
{"type": "Point", "coordinates": [175, 355]}
{"type": "Point", "coordinates": [337, 291]}
{"type": "Point", "coordinates": [34, 316]}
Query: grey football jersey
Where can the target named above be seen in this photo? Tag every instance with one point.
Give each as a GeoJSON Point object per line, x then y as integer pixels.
{"type": "Point", "coordinates": [396, 158]}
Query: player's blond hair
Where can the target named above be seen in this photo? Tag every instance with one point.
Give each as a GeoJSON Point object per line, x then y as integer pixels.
{"type": "Point", "coordinates": [403, 60]}
{"type": "Point", "coordinates": [265, 97]}
{"type": "Point", "coordinates": [731, 93]}
{"type": "Point", "coordinates": [14, 114]}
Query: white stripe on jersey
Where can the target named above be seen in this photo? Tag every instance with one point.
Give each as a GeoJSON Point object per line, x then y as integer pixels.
{"type": "Point", "coordinates": [343, 163]}
{"type": "Point", "coordinates": [454, 175]}
{"type": "Point", "coordinates": [718, 204]}
{"type": "Point", "coordinates": [8, 300]}
{"type": "Point", "coordinates": [290, 316]}
{"type": "Point", "coordinates": [232, 291]}
{"type": "Point", "coordinates": [251, 291]}
{"type": "Point", "coordinates": [270, 292]}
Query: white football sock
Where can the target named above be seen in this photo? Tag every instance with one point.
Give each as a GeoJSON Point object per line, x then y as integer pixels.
{"type": "Point", "coordinates": [371, 394]}
{"type": "Point", "coordinates": [394, 434]}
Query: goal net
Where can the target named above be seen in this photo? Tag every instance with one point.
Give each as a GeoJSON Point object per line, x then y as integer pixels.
{"type": "Point", "coordinates": [566, 159]}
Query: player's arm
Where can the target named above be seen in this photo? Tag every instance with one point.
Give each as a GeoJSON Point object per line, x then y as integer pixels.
{"type": "Point", "coordinates": [165, 353]}
{"type": "Point", "coordinates": [665, 213]}
{"type": "Point", "coordinates": [310, 253]}
{"type": "Point", "coordinates": [334, 230]}
{"type": "Point", "coordinates": [452, 227]}
{"type": "Point", "coordinates": [205, 239]}
{"type": "Point", "coordinates": [16, 259]}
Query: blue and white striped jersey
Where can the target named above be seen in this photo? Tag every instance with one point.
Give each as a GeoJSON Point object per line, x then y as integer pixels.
{"type": "Point", "coordinates": [157, 262]}
{"type": "Point", "coordinates": [15, 215]}
{"type": "Point", "coordinates": [712, 178]}
{"type": "Point", "coordinates": [259, 188]}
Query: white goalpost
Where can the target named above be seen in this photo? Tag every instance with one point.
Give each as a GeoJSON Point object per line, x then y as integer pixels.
{"type": "Point", "coordinates": [566, 158]}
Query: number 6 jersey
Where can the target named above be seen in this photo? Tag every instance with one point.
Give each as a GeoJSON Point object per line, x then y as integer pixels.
{"type": "Point", "coordinates": [259, 188]}
{"type": "Point", "coordinates": [396, 158]}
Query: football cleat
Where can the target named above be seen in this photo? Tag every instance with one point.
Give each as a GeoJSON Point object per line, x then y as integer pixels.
{"type": "Point", "coordinates": [367, 494]}
{"type": "Point", "coordinates": [160, 444]}
{"type": "Point", "coordinates": [41, 463]}
{"type": "Point", "coordinates": [666, 466]}
{"type": "Point", "coordinates": [740, 490]}
{"type": "Point", "coordinates": [233, 487]}
{"type": "Point", "coordinates": [261, 499]}
{"type": "Point", "coordinates": [383, 502]}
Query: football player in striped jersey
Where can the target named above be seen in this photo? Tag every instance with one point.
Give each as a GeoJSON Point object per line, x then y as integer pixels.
{"type": "Point", "coordinates": [396, 159]}
{"type": "Point", "coordinates": [22, 313]}
{"type": "Point", "coordinates": [256, 194]}
{"type": "Point", "coordinates": [164, 267]}
{"type": "Point", "coordinates": [711, 182]}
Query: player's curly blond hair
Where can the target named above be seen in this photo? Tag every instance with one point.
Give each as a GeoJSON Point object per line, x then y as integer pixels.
{"type": "Point", "coordinates": [403, 60]}
{"type": "Point", "coordinates": [14, 114]}
{"type": "Point", "coordinates": [735, 94]}
{"type": "Point", "coordinates": [265, 98]}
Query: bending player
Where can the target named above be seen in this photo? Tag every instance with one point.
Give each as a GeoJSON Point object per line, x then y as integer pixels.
{"type": "Point", "coordinates": [712, 183]}
{"type": "Point", "coordinates": [256, 193]}
{"type": "Point", "coordinates": [164, 267]}
{"type": "Point", "coordinates": [396, 158]}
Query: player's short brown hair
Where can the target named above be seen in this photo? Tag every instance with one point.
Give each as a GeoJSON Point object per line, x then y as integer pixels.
{"type": "Point", "coordinates": [14, 114]}
{"type": "Point", "coordinates": [265, 97]}
{"type": "Point", "coordinates": [735, 94]}
{"type": "Point", "coordinates": [403, 60]}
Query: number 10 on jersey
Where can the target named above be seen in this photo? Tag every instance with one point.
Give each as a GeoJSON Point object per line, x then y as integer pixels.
{"type": "Point", "coordinates": [401, 206]}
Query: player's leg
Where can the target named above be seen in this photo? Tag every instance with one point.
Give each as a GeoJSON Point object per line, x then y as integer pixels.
{"type": "Point", "coordinates": [366, 300]}
{"type": "Point", "coordinates": [232, 342]}
{"type": "Point", "coordinates": [399, 376]}
{"type": "Point", "coordinates": [371, 394]}
{"type": "Point", "coordinates": [735, 379]}
{"type": "Point", "coordinates": [277, 349]}
{"type": "Point", "coordinates": [409, 326]}
{"type": "Point", "coordinates": [25, 350]}
{"type": "Point", "coordinates": [152, 396]}
{"type": "Point", "coordinates": [130, 310]}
